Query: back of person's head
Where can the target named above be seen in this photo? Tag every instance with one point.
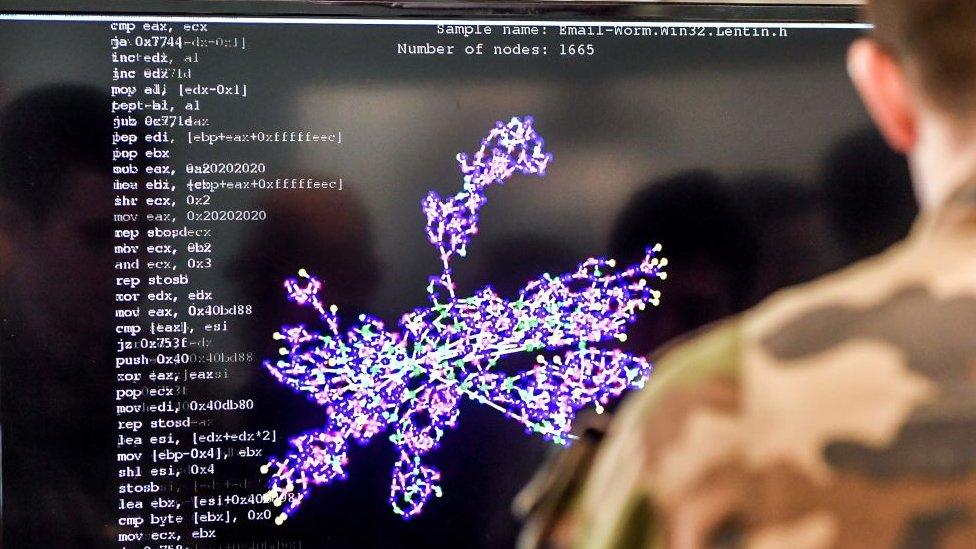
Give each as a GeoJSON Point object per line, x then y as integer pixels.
{"type": "Point", "coordinates": [936, 42]}
{"type": "Point", "coordinates": [917, 77]}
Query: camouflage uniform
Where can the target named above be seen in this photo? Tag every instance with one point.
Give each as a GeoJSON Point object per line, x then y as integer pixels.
{"type": "Point", "coordinates": [838, 414]}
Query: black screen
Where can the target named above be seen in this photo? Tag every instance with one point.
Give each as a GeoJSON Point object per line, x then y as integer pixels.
{"type": "Point", "coordinates": [162, 176]}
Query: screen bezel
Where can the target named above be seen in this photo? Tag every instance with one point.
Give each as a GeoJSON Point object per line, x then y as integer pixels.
{"type": "Point", "coordinates": [738, 12]}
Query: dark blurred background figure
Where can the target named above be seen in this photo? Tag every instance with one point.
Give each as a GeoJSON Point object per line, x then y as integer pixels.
{"type": "Point", "coordinates": [329, 233]}
{"type": "Point", "coordinates": [795, 242]}
{"type": "Point", "coordinates": [711, 246]}
{"type": "Point", "coordinates": [868, 195]}
{"type": "Point", "coordinates": [732, 243]}
{"type": "Point", "coordinates": [56, 311]}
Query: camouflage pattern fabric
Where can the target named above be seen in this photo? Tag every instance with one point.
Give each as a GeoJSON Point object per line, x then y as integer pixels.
{"type": "Point", "coordinates": [838, 414]}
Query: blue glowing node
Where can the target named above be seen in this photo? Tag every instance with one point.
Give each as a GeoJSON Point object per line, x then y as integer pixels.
{"type": "Point", "coordinates": [410, 382]}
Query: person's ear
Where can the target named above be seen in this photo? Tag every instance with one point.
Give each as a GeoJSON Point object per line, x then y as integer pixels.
{"type": "Point", "coordinates": [886, 92]}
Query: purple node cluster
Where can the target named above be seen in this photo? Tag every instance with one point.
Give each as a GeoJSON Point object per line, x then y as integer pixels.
{"type": "Point", "coordinates": [409, 382]}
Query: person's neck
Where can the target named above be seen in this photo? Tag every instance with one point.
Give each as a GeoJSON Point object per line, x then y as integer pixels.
{"type": "Point", "coordinates": [943, 162]}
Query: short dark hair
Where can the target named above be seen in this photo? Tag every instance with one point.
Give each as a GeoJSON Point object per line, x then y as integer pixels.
{"type": "Point", "coordinates": [937, 40]}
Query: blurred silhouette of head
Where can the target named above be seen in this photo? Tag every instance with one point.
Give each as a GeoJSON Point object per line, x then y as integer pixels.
{"type": "Point", "coordinates": [509, 262]}
{"type": "Point", "coordinates": [710, 246]}
{"type": "Point", "coordinates": [55, 215]}
{"type": "Point", "coordinates": [56, 276]}
{"type": "Point", "coordinates": [868, 192]}
{"type": "Point", "coordinates": [326, 232]}
{"type": "Point", "coordinates": [794, 239]}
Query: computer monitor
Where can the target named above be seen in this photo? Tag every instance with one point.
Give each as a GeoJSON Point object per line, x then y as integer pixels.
{"type": "Point", "coordinates": [303, 275]}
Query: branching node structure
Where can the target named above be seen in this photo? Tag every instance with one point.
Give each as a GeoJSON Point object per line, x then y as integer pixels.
{"type": "Point", "coordinates": [409, 382]}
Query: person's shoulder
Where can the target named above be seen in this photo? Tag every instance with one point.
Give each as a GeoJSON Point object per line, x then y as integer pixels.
{"type": "Point", "coordinates": [836, 363]}
{"type": "Point", "coordinates": [707, 355]}
{"type": "Point", "coordinates": [694, 374]}
{"type": "Point", "coordinates": [870, 312]}
{"type": "Point", "coordinates": [717, 353]}
{"type": "Point", "coordinates": [707, 371]}
{"type": "Point", "coordinates": [867, 287]}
